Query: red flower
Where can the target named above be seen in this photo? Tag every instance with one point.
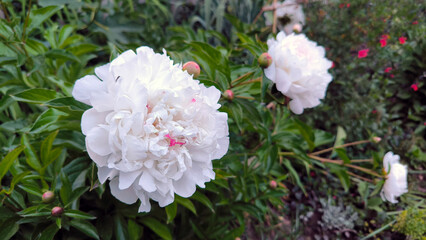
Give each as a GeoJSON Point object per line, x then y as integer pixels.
{"type": "Point", "coordinates": [392, 75]}
{"type": "Point", "coordinates": [333, 65]}
{"type": "Point", "coordinates": [415, 87]}
{"type": "Point", "coordinates": [385, 36]}
{"type": "Point", "coordinates": [415, 22]}
{"type": "Point", "coordinates": [388, 69]}
{"type": "Point", "coordinates": [383, 42]}
{"type": "Point", "coordinates": [402, 40]}
{"type": "Point", "coordinates": [341, 5]}
{"type": "Point", "coordinates": [374, 111]}
{"type": "Point", "coordinates": [348, 5]}
{"type": "Point", "coordinates": [363, 53]}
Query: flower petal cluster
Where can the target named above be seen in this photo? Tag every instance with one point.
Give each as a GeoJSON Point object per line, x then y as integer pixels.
{"type": "Point", "coordinates": [299, 69]}
{"type": "Point", "coordinates": [396, 178]}
{"type": "Point", "coordinates": [152, 130]}
{"type": "Point", "coordinates": [289, 13]}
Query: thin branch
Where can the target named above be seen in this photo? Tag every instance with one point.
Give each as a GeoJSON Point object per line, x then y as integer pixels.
{"type": "Point", "coordinates": [341, 146]}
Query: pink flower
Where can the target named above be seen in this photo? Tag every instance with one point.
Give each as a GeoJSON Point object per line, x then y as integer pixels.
{"type": "Point", "coordinates": [374, 111]}
{"type": "Point", "coordinates": [388, 69]}
{"type": "Point", "coordinates": [415, 22]}
{"type": "Point", "coordinates": [348, 5]}
{"type": "Point", "coordinates": [333, 65]}
{"type": "Point", "coordinates": [415, 87]}
{"type": "Point", "coordinates": [392, 76]}
{"type": "Point", "coordinates": [383, 42]}
{"type": "Point", "coordinates": [341, 5]}
{"type": "Point", "coordinates": [363, 53]}
{"type": "Point", "coordinates": [402, 40]}
{"type": "Point", "coordinates": [385, 36]}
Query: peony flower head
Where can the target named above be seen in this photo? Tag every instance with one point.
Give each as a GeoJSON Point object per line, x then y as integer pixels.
{"type": "Point", "coordinates": [289, 13]}
{"type": "Point", "coordinates": [383, 42]}
{"type": "Point", "coordinates": [363, 53]}
{"type": "Point", "coordinates": [402, 40]}
{"type": "Point", "coordinates": [152, 130]}
{"type": "Point", "coordinates": [396, 178]}
{"type": "Point", "coordinates": [388, 69]}
{"type": "Point", "coordinates": [415, 87]}
{"type": "Point", "coordinates": [299, 69]}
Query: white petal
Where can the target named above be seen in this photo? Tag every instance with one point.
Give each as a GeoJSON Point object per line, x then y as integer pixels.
{"type": "Point", "coordinates": [85, 87]}
{"type": "Point", "coordinates": [147, 182]}
{"type": "Point", "coordinates": [92, 118]}
{"type": "Point", "coordinates": [98, 159]}
{"type": "Point", "coordinates": [185, 186]}
{"type": "Point", "coordinates": [127, 195]}
{"type": "Point", "coordinates": [126, 179]}
{"type": "Point", "coordinates": [222, 149]}
{"type": "Point", "coordinates": [296, 106]}
{"type": "Point", "coordinates": [97, 141]}
{"type": "Point", "coordinates": [105, 173]}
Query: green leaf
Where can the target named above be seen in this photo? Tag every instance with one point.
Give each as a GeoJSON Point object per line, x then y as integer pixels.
{"type": "Point", "coordinates": [37, 95]}
{"type": "Point", "coordinates": [8, 160]}
{"type": "Point", "coordinates": [38, 16]}
{"type": "Point", "coordinates": [47, 120]}
{"type": "Point", "coordinates": [76, 194]}
{"type": "Point", "coordinates": [294, 174]}
{"type": "Point", "coordinates": [306, 132]}
{"type": "Point", "coordinates": [342, 154]}
{"type": "Point", "coordinates": [78, 214]}
{"type": "Point", "coordinates": [8, 229]}
{"type": "Point", "coordinates": [66, 190]}
{"type": "Point", "coordinates": [186, 203]}
{"type": "Point", "coordinates": [46, 147]}
{"type": "Point", "coordinates": [157, 227]}
{"type": "Point", "coordinates": [85, 227]}
{"type": "Point", "coordinates": [171, 211]}
{"type": "Point", "coordinates": [135, 230]}
{"type": "Point", "coordinates": [60, 54]}
{"type": "Point", "coordinates": [198, 196]}
{"type": "Point", "coordinates": [30, 153]}
{"type": "Point", "coordinates": [36, 191]}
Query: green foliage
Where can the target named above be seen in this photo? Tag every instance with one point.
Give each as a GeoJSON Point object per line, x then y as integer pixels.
{"type": "Point", "coordinates": [411, 222]}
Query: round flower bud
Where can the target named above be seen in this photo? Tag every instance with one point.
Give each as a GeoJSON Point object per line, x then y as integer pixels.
{"type": "Point", "coordinates": [265, 60]}
{"type": "Point", "coordinates": [57, 211]}
{"type": "Point", "coordinates": [48, 197]}
{"type": "Point", "coordinates": [297, 28]}
{"type": "Point", "coordinates": [273, 184]}
{"type": "Point", "coordinates": [229, 94]}
{"type": "Point", "coordinates": [377, 139]}
{"type": "Point", "coordinates": [192, 68]}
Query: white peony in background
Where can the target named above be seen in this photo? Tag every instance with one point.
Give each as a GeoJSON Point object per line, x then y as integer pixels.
{"type": "Point", "coordinates": [299, 69]}
{"type": "Point", "coordinates": [396, 178]}
{"type": "Point", "coordinates": [153, 130]}
{"type": "Point", "coordinates": [289, 15]}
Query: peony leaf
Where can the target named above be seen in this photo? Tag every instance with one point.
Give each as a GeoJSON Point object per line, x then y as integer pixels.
{"type": "Point", "coordinates": [157, 227]}
{"type": "Point", "coordinates": [8, 160]}
{"type": "Point", "coordinates": [78, 214]}
{"type": "Point", "coordinates": [38, 16]}
{"type": "Point", "coordinates": [8, 229]}
{"type": "Point", "coordinates": [186, 203]}
{"type": "Point", "coordinates": [135, 230]}
{"type": "Point", "coordinates": [85, 227]}
{"type": "Point", "coordinates": [30, 153]}
{"type": "Point", "coordinates": [171, 211]}
{"type": "Point", "coordinates": [37, 95]}
{"type": "Point", "coordinates": [46, 147]}
{"type": "Point", "coordinates": [198, 196]}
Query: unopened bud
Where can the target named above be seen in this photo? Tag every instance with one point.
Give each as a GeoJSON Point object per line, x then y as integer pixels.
{"type": "Point", "coordinates": [192, 68]}
{"type": "Point", "coordinates": [273, 184]}
{"type": "Point", "coordinates": [265, 60]}
{"type": "Point", "coordinates": [48, 197]}
{"type": "Point", "coordinates": [57, 211]}
{"type": "Point", "coordinates": [377, 139]}
{"type": "Point", "coordinates": [297, 28]}
{"type": "Point", "coordinates": [229, 94]}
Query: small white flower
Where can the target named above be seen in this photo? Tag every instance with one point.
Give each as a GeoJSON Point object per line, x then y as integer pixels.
{"type": "Point", "coordinates": [299, 69]}
{"type": "Point", "coordinates": [396, 178]}
{"type": "Point", "coordinates": [289, 13]}
{"type": "Point", "coordinates": [153, 130]}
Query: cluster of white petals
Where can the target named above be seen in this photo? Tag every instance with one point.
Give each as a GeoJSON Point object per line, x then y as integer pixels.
{"type": "Point", "coordinates": [396, 178]}
{"type": "Point", "coordinates": [287, 10]}
{"type": "Point", "coordinates": [299, 69]}
{"type": "Point", "coordinates": [152, 130]}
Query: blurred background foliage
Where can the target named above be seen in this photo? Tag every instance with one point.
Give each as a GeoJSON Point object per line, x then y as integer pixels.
{"type": "Point", "coordinates": [46, 45]}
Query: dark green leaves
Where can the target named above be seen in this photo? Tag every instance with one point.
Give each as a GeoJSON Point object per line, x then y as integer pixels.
{"type": "Point", "coordinates": [37, 17]}
{"type": "Point", "coordinates": [38, 95]}
{"type": "Point", "coordinates": [8, 160]}
{"type": "Point", "coordinates": [157, 227]}
{"type": "Point", "coordinates": [85, 227]}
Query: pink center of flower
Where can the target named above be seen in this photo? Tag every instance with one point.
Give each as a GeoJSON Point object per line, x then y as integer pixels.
{"type": "Point", "coordinates": [193, 100]}
{"type": "Point", "coordinates": [173, 141]}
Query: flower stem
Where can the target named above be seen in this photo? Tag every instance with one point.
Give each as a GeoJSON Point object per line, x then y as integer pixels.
{"type": "Point", "coordinates": [341, 146]}
{"type": "Point", "coordinates": [249, 81]}
{"type": "Point", "coordinates": [243, 97]}
{"type": "Point", "coordinates": [241, 77]}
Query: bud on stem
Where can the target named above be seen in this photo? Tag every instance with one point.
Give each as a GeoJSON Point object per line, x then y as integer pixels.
{"type": "Point", "coordinates": [57, 211]}
{"type": "Point", "coordinates": [48, 197]}
{"type": "Point", "coordinates": [192, 68]}
{"type": "Point", "coordinates": [265, 60]}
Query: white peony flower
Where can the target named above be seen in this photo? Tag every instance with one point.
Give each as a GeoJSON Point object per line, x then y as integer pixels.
{"type": "Point", "coordinates": [153, 130]}
{"type": "Point", "coordinates": [289, 13]}
{"type": "Point", "coordinates": [396, 178]}
{"type": "Point", "coordinates": [299, 70]}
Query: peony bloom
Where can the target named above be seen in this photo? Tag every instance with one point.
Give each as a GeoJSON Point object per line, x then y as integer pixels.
{"type": "Point", "coordinates": [299, 70]}
{"type": "Point", "coordinates": [388, 69]}
{"type": "Point", "coordinates": [383, 42]}
{"type": "Point", "coordinates": [415, 87]}
{"type": "Point", "coordinates": [415, 22]}
{"type": "Point", "coordinates": [363, 53]}
{"type": "Point", "coordinates": [152, 130]}
{"type": "Point", "coordinates": [396, 178]}
{"type": "Point", "coordinates": [402, 40]}
{"type": "Point", "coordinates": [289, 14]}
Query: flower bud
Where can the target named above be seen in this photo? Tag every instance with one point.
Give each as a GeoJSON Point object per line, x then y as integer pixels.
{"type": "Point", "coordinates": [57, 211]}
{"type": "Point", "coordinates": [273, 184]}
{"type": "Point", "coordinates": [377, 139]}
{"type": "Point", "coordinates": [297, 28]}
{"type": "Point", "coordinates": [48, 197]}
{"type": "Point", "coordinates": [265, 60]}
{"type": "Point", "coordinates": [229, 94]}
{"type": "Point", "coordinates": [192, 68]}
